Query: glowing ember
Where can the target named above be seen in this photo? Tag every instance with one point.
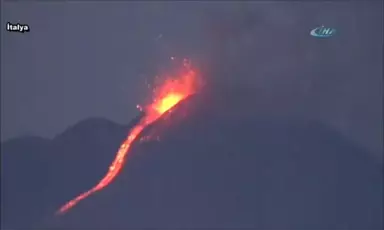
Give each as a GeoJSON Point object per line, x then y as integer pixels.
{"type": "Point", "coordinates": [171, 92]}
{"type": "Point", "coordinates": [168, 102]}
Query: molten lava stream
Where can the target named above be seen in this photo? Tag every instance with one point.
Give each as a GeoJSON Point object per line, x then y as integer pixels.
{"type": "Point", "coordinates": [165, 97]}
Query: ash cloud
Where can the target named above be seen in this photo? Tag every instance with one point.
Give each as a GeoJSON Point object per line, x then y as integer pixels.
{"type": "Point", "coordinates": [267, 46]}
{"type": "Point", "coordinates": [262, 46]}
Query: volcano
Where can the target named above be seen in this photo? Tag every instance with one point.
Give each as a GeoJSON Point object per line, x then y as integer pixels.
{"type": "Point", "coordinates": [218, 162]}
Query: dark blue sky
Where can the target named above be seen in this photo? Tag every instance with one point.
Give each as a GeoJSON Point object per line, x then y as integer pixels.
{"type": "Point", "coordinates": [79, 60]}
{"type": "Point", "coordinates": [86, 59]}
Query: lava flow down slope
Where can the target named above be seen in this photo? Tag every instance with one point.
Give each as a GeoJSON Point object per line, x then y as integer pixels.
{"type": "Point", "coordinates": [234, 159]}
{"type": "Point", "coordinates": [165, 96]}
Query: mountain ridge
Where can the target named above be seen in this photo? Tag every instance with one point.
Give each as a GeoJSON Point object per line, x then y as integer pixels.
{"type": "Point", "coordinates": [214, 156]}
{"type": "Point", "coordinates": [40, 166]}
{"type": "Point", "coordinates": [212, 169]}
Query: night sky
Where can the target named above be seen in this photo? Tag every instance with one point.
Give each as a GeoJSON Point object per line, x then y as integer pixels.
{"type": "Point", "coordinates": [92, 59]}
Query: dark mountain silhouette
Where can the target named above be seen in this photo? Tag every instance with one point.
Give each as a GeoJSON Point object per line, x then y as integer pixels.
{"type": "Point", "coordinates": [224, 160]}
{"type": "Point", "coordinates": [24, 174]}
{"type": "Point", "coordinates": [223, 163]}
{"type": "Point", "coordinates": [39, 175]}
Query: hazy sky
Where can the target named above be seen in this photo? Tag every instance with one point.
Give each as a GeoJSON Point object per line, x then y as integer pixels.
{"type": "Point", "coordinates": [79, 60]}
{"type": "Point", "coordinates": [86, 59]}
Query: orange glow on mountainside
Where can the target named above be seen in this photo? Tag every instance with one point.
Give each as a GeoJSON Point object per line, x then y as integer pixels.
{"type": "Point", "coordinates": [168, 94]}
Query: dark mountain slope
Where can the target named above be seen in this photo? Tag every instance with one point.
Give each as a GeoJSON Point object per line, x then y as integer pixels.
{"type": "Point", "coordinates": [39, 175]}
{"type": "Point", "coordinates": [24, 174]}
{"type": "Point", "coordinates": [228, 164]}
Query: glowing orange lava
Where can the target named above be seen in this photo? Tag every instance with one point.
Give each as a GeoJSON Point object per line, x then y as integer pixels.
{"type": "Point", "coordinates": [171, 92]}
{"type": "Point", "coordinates": [168, 102]}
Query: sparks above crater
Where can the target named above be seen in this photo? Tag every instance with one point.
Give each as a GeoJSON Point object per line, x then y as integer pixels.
{"type": "Point", "coordinates": [169, 93]}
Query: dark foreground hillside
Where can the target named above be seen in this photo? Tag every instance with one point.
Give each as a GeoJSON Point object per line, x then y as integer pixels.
{"type": "Point", "coordinates": [223, 164]}
{"type": "Point", "coordinates": [39, 175]}
{"type": "Point", "coordinates": [219, 163]}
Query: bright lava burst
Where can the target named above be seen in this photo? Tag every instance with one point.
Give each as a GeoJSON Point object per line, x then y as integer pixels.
{"type": "Point", "coordinates": [171, 92]}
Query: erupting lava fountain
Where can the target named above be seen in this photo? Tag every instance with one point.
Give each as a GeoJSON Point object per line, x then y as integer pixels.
{"type": "Point", "coordinates": [165, 96]}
